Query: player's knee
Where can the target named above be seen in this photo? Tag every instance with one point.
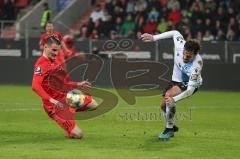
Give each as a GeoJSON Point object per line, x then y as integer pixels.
{"type": "Point", "coordinates": [93, 105]}
{"type": "Point", "coordinates": [76, 133]}
{"type": "Point", "coordinates": [163, 105]}
{"type": "Point", "coordinates": [168, 94]}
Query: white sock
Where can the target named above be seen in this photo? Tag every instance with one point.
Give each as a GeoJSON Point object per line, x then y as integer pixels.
{"type": "Point", "coordinates": [170, 114]}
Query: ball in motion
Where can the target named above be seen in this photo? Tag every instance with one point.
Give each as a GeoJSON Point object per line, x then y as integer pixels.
{"type": "Point", "coordinates": [75, 98]}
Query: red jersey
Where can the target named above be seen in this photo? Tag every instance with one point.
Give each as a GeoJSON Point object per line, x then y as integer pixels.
{"type": "Point", "coordinates": [46, 35]}
{"type": "Point", "coordinates": [49, 80]}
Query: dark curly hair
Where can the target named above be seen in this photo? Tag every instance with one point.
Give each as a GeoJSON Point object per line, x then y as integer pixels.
{"type": "Point", "coordinates": [192, 46]}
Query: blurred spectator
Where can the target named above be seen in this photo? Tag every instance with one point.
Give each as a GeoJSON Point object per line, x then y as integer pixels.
{"type": "Point", "coordinates": [220, 36]}
{"type": "Point", "coordinates": [199, 26]}
{"type": "Point", "coordinates": [94, 34]}
{"type": "Point", "coordinates": [187, 34]}
{"type": "Point", "coordinates": [231, 13]}
{"type": "Point", "coordinates": [83, 33]}
{"type": "Point", "coordinates": [118, 25]}
{"type": "Point", "coordinates": [185, 4]}
{"type": "Point", "coordinates": [140, 24]}
{"type": "Point", "coordinates": [98, 25]}
{"type": "Point", "coordinates": [199, 4]}
{"type": "Point", "coordinates": [130, 6]}
{"type": "Point", "coordinates": [153, 13]}
{"type": "Point", "coordinates": [98, 13]}
{"type": "Point", "coordinates": [218, 26]}
{"type": "Point", "coordinates": [114, 35]}
{"type": "Point", "coordinates": [151, 26]}
{"type": "Point", "coordinates": [107, 26]}
{"type": "Point", "coordinates": [231, 35]}
{"type": "Point", "coordinates": [90, 26]}
{"type": "Point", "coordinates": [208, 14]}
{"type": "Point", "coordinates": [196, 14]}
{"type": "Point", "coordinates": [162, 25]}
{"type": "Point", "coordinates": [8, 10]}
{"type": "Point", "coordinates": [208, 36]}
{"type": "Point", "coordinates": [220, 15]}
{"type": "Point", "coordinates": [199, 36]}
{"type": "Point", "coordinates": [233, 25]}
{"type": "Point", "coordinates": [175, 15]}
{"type": "Point", "coordinates": [201, 19]}
{"type": "Point", "coordinates": [118, 12]}
{"type": "Point", "coordinates": [211, 4]}
{"type": "Point", "coordinates": [128, 26]}
{"type": "Point", "coordinates": [153, 4]}
{"type": "Point", "coordinates": [208, 25]}
{"type": "Point", "coordinates": [46, 15]}
{"type": "Point", "coordinates": [142, 5]}
{"type": "Point", "coordinates": [185, 24]}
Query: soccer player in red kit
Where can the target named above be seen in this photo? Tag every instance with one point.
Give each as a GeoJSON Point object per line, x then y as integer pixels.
{"type": "Point", "coordinates": [50, 84]}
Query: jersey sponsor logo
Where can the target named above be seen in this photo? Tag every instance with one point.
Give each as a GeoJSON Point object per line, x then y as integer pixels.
{"type": "Point", "coordinates": [38, 70]}
{"type": "Point", "coordinates": [180, 39]}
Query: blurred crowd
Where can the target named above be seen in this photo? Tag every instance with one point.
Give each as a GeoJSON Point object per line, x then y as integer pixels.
{"type": "Point", "coordinates": [202, 19]}
{"type": "Point", "coordinates": [9, 9]}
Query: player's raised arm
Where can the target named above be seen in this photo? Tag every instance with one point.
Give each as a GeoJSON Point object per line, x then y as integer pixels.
{"type": "Point", "coordinates": [166, 35]}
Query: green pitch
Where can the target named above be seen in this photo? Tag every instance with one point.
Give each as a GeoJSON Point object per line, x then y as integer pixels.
{"type": "Point", "coordinates": [208, 121]}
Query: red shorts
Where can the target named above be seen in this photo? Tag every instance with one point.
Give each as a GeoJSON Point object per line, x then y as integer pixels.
{"type": "Point", "coordinates": [63, 117]}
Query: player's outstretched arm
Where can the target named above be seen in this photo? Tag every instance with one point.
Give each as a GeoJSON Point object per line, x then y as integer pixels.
{"type": "Point", "coordinates": [184, 94]}
{"type": "Point", "coordinates": [169, 34]}
{"type": "Point", "coordinates": [36, 86]}
{"type": "Point", "coordinates": [193, 83]}
{"type": "Point", "coordinates": [84, 85]}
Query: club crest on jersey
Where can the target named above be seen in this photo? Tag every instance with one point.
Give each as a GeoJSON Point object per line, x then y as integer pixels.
{"type": "Point", "coordinates": [38, 70]}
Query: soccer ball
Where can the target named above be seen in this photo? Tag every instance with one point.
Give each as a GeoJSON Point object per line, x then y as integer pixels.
{"type": "Point", "coordinates": [75, 98]}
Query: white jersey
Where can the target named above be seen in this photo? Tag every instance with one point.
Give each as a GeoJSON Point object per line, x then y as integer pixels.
{"type": "Point", "coordinates": [185, 72]}
{"type": "Point", "coordinates": [188, 73]}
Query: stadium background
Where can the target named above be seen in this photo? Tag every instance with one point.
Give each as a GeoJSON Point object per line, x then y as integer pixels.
{"type": "Point", "coordinates": [215, 108]}
{"type": "Point", "coordinates": [20, 34]}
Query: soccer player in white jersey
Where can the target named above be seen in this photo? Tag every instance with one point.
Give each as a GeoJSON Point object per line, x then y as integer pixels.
{"type": "Point", "coordinates": [186, 77]}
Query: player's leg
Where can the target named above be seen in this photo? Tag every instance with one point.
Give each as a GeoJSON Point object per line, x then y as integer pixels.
{"type": "Point", "coordinates": [169, 110]}
{"type": "Point", "coordinates": [64, 118]}
{"type": "Point", "coordinates": [89, 104]}
{"type": "Point", "coordinates": [171, 92]}
{"type": "Point", "coordinates": [93, 105]}
{"type": "Point", "coordinates": [76, 133]}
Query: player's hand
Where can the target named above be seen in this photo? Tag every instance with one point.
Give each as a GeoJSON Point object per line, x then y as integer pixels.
{"type": "Point", "coordinates": [169, 100]}
{"type": "Point", "coordinates": [84, 84]}
{"type": "Point", "coordinates": [56, 102]}
{"type": "Point", "coordinates": [147, 37]}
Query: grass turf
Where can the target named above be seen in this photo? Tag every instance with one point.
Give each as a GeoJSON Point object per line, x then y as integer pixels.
{"type": "Point", "coordinates": [208, 121]}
